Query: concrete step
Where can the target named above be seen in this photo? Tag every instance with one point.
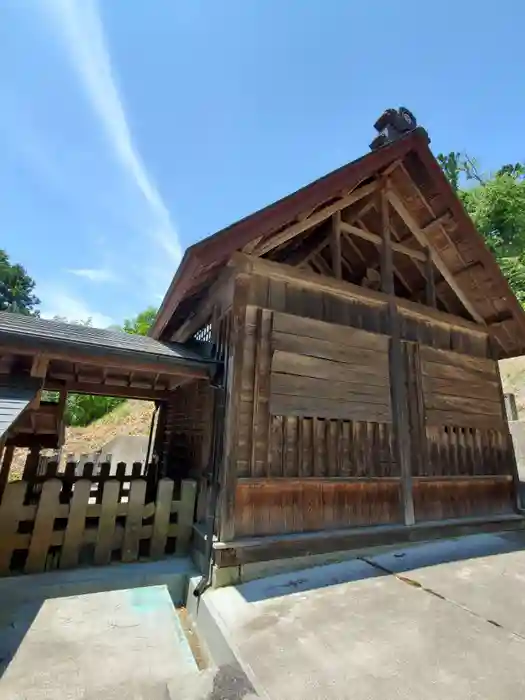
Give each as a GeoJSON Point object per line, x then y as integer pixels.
{"type": "Point", "coordinates": [227, 678]}
{"type": "Point", "coordinates": [123, 644]}
{"type": "Point", "coordinates": [173, 573]}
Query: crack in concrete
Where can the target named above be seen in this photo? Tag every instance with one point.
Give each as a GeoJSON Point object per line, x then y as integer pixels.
{"type": "Point", "coordinates": [430, 591]}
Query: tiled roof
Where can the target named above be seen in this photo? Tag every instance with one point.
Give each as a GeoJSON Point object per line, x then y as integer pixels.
{"type": "Point", "coordinates": [32, 330]}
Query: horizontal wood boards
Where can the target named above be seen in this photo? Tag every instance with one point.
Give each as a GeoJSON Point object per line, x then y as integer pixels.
{"type": "Point", "coordinates": [279, 506]}
{"type": "Point", "coordinates": [323, 370]}
{"type": "Point", "coordinates": [460, 390]}
{"type": "Point", "coordinates": [343, 335]}
{"type": "Point", "coordinates": [418, 323]}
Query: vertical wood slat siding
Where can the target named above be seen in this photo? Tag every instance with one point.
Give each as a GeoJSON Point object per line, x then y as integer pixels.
{"type": "Point", "coordinates": [316, 447]}
{"type": "Point", "coordinates": [456, 450]}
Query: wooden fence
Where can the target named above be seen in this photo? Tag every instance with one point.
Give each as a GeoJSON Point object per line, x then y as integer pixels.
{"type": "Point", "coordinates": [97, 474]}
{"type": "Point", "coordinates": [76, 521]}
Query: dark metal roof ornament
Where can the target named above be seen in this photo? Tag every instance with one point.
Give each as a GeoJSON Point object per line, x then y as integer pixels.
{"type": "Point", "coordinates": [392, 125]}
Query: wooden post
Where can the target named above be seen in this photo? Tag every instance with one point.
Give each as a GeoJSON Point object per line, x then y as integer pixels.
{"type": "Point", "coordinates": [430, 280]}
{"type": "Point", "coordinates": [335, 245]}
{"type": "Point", "coordinates": [6, 457]}
{"type": "Point", "coordinates": [31, 465]}
{"type": "Point", "coordinates": [398, 366]}
{"type": "Point", "coordinates": [228, 479]}
{"type": "Point", "coordinates": [514, 462]}
{"type": "Point", "coordinates": [387, 265]}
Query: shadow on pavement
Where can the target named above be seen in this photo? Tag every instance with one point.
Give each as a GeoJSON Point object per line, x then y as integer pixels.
{"type": "Point", "coordinates": [396, 561]}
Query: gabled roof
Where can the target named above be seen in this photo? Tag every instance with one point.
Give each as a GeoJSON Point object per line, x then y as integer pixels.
{"type": "Point", "coordinates": [471, 264]}
{"type": "Point", "coordinates": [49, 336]}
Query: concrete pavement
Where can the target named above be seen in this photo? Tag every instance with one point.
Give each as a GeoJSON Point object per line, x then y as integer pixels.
{"type": "Point", "coordinates": [441, 620]}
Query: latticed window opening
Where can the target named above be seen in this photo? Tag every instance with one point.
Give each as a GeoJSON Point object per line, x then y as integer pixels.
{"type": "Point", "coordinates": [203, 335]}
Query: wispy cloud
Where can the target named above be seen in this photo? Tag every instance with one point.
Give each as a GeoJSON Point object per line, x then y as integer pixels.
{"type": "Point", "coordinates": [57, 301]}
{"type": "Point", "coordinates": [80, 28]}
{"type": "Point", "coordinates": [95, 274]}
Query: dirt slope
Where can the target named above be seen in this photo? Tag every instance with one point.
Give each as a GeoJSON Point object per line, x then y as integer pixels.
{"type": "Point", "coordinates": [130, 418]}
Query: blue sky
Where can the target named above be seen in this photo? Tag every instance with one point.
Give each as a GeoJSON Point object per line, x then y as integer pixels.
{"type": "Point", "coordinates": [129, 129]}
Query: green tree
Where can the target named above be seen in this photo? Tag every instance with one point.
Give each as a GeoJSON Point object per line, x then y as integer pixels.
{"type": "Point", "coordinates": [496, 204]}
{"type": "Point", "coordinates": [141, 324]}
{"type": "Point", "coordinates": [16, 288]}
{"type": "Point", "coordinates": [83, 409]}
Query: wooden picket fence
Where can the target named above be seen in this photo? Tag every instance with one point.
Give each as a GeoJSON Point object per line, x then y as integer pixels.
{"type": "Point", "coordinates": [83, 522]}
{"type": "Point", "coordinates": [97, 474]}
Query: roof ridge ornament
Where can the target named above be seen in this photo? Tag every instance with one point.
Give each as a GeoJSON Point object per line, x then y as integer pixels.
{"type": "Point", "coordinates": [392, 125]}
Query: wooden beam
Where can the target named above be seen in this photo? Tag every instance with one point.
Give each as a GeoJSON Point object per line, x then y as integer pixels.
{"type": "Point", "coordinates": [108, 390]}
{"type": "Point", "coordinates": [420, 267]}
{"type": "Point", "coordinates": [397, 364]}
{"type": "Point", "coordinates": [249, 264]}
{"type": "Point", "coordinates": [430, 282]}
{"type": "Point", "coordinates": [335, 245]}
{"type": "Point", "coordinates": [219, 290]}
{"type": "Point", "coordinates": [311, 255]}
{"type": "Point", "coordinates": [387, 264]}
{"type": "Point", "coordinates": [377, 240]}
{"type": "Point", "coordinates": [397, 273]}
{"type": "Point", "coordinates": [322, 265]}
{"type": "Point", "coordinates": [39, 366]}
{"type": "Point", "coordinates": [250, 247]}
{"type": "Point", "coordinates": [320, 216]}
{"type": "Point", "coordinates": [363, 210]}
{"type": "Point", "coordinates": [414, 227]}
{"type": "Point", "coordinates": [111, 360]}
{"type": "Point", "coordinates": [441, 219]}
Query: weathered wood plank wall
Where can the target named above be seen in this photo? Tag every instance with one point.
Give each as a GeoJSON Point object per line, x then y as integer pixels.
{"type": "Point", "coordinates": [311, 442]}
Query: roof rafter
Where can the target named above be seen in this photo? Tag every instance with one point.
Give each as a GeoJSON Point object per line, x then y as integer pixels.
{"type": "Point", "coordinates": [304, 224]}
{"type": "Point", "coordinates": [421, 236]}
{"type": "Point", "coordinates": [378, 241]}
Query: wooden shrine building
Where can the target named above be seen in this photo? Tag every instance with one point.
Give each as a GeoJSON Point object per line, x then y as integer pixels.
{"type": "Point", "coordinates": [325, 370]}
{"type": "Point", "coordinates": [358, 322]}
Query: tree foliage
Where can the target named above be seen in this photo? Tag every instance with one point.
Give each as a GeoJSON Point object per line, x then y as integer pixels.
{"type": "Point", "coordinates": [141, 324]}
{"type": "Point", "coordinates": [16, 288]}
{"type": "Point", "coordinates": [83, 409]}
{"type": "Point", "coordinates": [496, 204]}
{"type": "Point", "coordinates": [17, 296]}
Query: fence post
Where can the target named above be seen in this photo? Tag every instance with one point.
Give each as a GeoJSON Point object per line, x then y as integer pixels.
{"type": "Point", "coordinates": [185, 514]}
